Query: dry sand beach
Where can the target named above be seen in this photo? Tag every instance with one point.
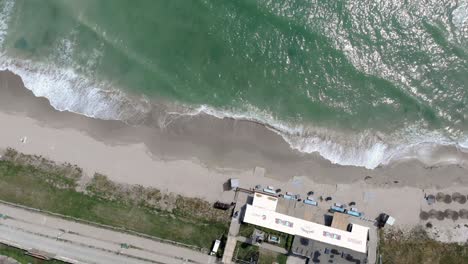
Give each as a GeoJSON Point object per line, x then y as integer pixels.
{"type": "Point", "coordinates": [195, 156]}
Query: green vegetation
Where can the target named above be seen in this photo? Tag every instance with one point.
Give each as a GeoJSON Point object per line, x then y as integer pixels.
{"type": "Point", "coordinates": [247, 252]}
{"type": "Point", "coordinates": [34, 182]}
{"type": "Point", "coordinates": [20, 256]}
{"type": "Point", "coordinates": [222, 246]}
{"type": "Point", "coordinates": [416, 247]}
{"type": "Point", "coordinates": [289, 242]}
{"type": "Point", "coordinates": [246, 230]}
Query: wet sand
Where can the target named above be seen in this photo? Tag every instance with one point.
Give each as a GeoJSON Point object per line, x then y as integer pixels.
{"type": "Point", "coordinates": [195, 156]}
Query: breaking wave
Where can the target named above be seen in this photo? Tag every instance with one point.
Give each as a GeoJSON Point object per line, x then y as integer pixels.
{"type": "Point", "coordinates": [65, 88]}
{"type": "Point", "coordinates": [367, 149]}
{"type": "Point", "coordinates": [68, 89]}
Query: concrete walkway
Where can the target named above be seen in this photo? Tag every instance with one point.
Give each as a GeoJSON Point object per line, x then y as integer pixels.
{"type": "Point", "coordinates": [241, 200]}
{"type": "Point", "coordinates": [229, 249]}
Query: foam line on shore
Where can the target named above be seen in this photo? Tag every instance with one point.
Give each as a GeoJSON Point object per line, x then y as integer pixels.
{"type": "Point", "coordinates": [67, 90]}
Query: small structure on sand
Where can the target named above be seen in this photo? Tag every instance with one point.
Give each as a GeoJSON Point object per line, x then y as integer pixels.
{"type": "Point", "coordinates": [234, 183]}
{"type": "Point", "coordinates": [259, 172]}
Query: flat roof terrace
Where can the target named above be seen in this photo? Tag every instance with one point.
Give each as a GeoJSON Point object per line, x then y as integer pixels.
{"type": "Point", "coordinates": [300, 210]}
{"type": "Point", "coordinates": [355, 240]}
{"type": "Point", "coordinates": [319, 252]}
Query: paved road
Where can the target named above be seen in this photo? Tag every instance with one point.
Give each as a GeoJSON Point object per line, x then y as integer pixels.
{"type": "Point", "coordinates": [66, 252]}
{"type": "Point", "coordinates": [78, 243]}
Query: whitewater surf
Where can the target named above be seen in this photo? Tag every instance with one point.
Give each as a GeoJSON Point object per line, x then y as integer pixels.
{"type": "Point", "coordinates": [360, 85]}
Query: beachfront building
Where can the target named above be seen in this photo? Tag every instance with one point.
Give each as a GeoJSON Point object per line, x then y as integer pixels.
{"type": "Point", "coordinates": [339, 242]}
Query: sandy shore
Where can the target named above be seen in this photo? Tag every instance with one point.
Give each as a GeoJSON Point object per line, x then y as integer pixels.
{"type": "Point", "coordinates": [194, 156]}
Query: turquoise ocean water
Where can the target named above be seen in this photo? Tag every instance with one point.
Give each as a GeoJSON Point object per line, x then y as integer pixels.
{"type": "Point", "coordinates": [360, 82]}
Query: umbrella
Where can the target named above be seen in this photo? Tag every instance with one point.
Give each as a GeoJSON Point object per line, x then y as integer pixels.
{"type": "Point", "coordinates": [447, 199]}
{"type": "Point", "coordinates": [423, 215]}
{"type": "Point", "coordinates": [463, 213]}
{"type": "Point", "coordinates": [455, 216]}
{"type": "Point", "coordinates": [430, 199]}
{"type": "Point", "coordinates": [458, 197]}
{"type": "Point", "coordinates": [432, 213]}
{"type": "Point", "coordinates": [439, 215]}
{"type": "Point", "coordinates": [440, 197]}
{"type": "Point", "coordinates": [451, 214]}
{"type": "Point", "coordinates": [455, 195]}
{"type": "Point", "coordinates": [462, 199]}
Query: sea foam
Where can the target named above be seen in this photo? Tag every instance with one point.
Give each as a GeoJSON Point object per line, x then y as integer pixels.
{"type": "Point", "coordinates": [5, 12]}
{"type": "Point", "coordinates": [70, 90]}
{"type": "Point", "coordinates": [460, 16]}
{"type": "Point", "coordinates": [67, 90]}
{"type": "Point", "coordinates": [64, 87]}
{"type": "Point", "coordinates": [367, 149]}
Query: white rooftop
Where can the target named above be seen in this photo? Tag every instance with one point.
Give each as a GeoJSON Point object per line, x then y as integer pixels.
{"type": "Point", "coordinates": [265, 201]}
{"type": "Point", "coordinates": [234, 182]}
{"type": "Point", "coordinates": [262, 213]}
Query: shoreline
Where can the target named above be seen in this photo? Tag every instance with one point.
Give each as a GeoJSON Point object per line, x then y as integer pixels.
{"type": "Point", "coordinates": [340, 146]}
{"type": "Point", "coordinates": [195, 156]}
{"type": "Point", "coordinates": [216, 144]}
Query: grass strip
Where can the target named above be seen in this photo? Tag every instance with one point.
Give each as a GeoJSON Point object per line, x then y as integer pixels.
{"type": "Point", "coordinates": [21, 256]}
{"type": "Point", "coordinates": [416, 247]}
{"type": "Point", "coordinates": [245, 252]}
{"type": "Point", "coordinates": [49, 189]}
